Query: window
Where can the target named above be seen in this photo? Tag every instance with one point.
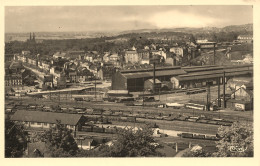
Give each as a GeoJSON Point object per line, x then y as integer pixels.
{"type": "Point", "coordinates": [45, 124]}
{"type": "Point", "coordinates": [38, 123]}
{"type": "Point", "coordinates": [32, 123]}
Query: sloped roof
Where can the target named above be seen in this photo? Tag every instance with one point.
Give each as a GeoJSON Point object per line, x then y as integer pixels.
{"type": "Point", "coordinates": [157, 73]}
{"type": "Point", "coordinates": [46, 117]}
{"type": "Point", "coordinates": [156, 81]}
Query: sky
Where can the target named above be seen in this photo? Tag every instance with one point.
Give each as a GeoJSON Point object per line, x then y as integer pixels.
{"type": "Point", "coordinates": [121, 18]}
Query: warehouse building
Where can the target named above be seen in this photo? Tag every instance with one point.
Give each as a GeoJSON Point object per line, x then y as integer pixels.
{"type": "Point", "coordinates": [45, 120]}
{"type": "Point", "coordinates": [133, 80]}
{"type": "Point", "coordinates": [199, 78]}
{"type": "Point", "coordinates": [180, 77]}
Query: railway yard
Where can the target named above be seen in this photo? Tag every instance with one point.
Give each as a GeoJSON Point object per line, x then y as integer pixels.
{"type": "Point", "coordinates": [176, 119]}
{"type": "Point", "coordinates": [172, 115]}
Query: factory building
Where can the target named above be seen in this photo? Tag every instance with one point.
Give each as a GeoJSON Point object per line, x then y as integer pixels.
{"type": "Point", "coordinates": [133, 80]}
{"type": "Point", "coordinates": [180, 77]}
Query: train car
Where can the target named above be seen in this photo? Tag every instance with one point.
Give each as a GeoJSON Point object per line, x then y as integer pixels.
{"type": "Point", "coordinates": [212, 122]}
{"type": "Point", "coordinates": [202, 121]}
{"type": "Point", "coordinates": [110, 130]}
{"type": "Point", "coordinates": [186, 135]}
{"type": "Point", "coordinates": [131, 119]}
{"type": "Point", "coordinates": [174, 105]}
{"type": "Point", "coordinates": [98, 129]}
{"type": "Point", "coordinates": [195, 91]}
{"type": "Point", "coordinates": [98, 111]}
{"type": "Point", "coordinates": [118, 113]}
{"type": "Point", "coordinates": [199, 136]}
{"type": "Point", "coordinates": [125, 99]}
{"type": "Point", "coordinates": [211, 138]}
{"type": "Point", "coordinates": [126, 113]}
{"type": "Point", "coordinates": [108, 112]}
{"type": "Point", "coordinates": [191, 120]}
{"type": "Point", "coordinates": [87, 128]}
{"type": "Point", "coordinates": [195, 106]}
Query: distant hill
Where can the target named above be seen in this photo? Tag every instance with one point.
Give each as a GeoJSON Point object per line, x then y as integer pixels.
{"type": "Point", "coordinates": [235, 28]}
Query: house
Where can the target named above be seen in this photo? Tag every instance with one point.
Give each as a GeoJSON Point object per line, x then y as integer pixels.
{"type": "Point", "coordinates": [45, 120]}
{"type": "Point", "coordinates": [59, 55]}
{"type": "Point", "coordinates": [149, 84]}
{"type": "Point", "coordinates": [72, 75]}
{"type": "Point", "coordinates": [177, 50]}
{"type": "Point", "coordinates": [242, 94]}
{"type": "Point", "coordinates": [61, 81]}
{"type": "Point", "coordinates": [74, 54]}
{"type": "Point", "coordinates": [245, 38]}
{"type": "Point", "coordinates": [25, 52]}
{"type": "Point", "coordinates": [83, 74]}
{"type": "Point", "coordinates": [46, 65]}
{"type": "Point", "coordinates": [236, 82]}
{"type": "Point", "coordinates": [114, 58]}
{"type": "Point", "coordinates": [131, 56]}
{"type": "Point", "coordinates": [9, 57]}
{"type": "Point", "coordinates": [159, 52]}
{"type": "Point", "coordinates": [47, 82]}
{"type": "Point", "coordinates": [106, 57]}
{"type": "Point", "coordinates": [86, 143]}
{"type": "Point", "coordinates": [13, 80]}
{"type": "Point", "coordinates": [241, 99]}
{"type": "Point", "coordinates": [144, 56]}
{"type": "Point", "coordinates": [105, 72]}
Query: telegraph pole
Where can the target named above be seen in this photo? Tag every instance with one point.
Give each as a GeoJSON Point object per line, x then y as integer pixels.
{"type": "Point", "coordinates": [224, 89]}
{"type": "Point", "coordinates": [214, 53]}
{"type": "Point", "coordinates": [95, 88]}
{"type": "Point", "coordinates": [219, 101]}
{"type": "Point", "coordinates": [154, 77]}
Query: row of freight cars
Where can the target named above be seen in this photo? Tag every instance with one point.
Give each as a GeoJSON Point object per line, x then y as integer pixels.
{"type": "Point", "coordinates": [198, 136]}
{"type": "Point", "coordinates": [132, 117]}
{"type": "Point", "coordinates": [97, 129]}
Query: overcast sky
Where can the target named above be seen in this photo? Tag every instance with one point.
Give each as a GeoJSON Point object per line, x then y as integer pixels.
{"type": "Point", "coordinates": [120, 18]}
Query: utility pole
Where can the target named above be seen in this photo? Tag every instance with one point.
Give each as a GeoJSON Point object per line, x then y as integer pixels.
{"type": "Point", "coordinates": [208, 96]}
{"type": "Point", "coordinates": [214, 53]}
{"type": "Point", "coordinates": [224, 89]}
{"type": "Point", "coordinates": [219, 101]}
{"type": "Point", "coordinates": [95, 88]}
{"type": "Point", "coordinates": [154, 76]}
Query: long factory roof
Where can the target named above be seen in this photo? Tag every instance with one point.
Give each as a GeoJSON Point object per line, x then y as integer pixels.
{"type": "Point", "coordinates": [193, 72]}
{"type": "Point", "coordinates": [157, 73]}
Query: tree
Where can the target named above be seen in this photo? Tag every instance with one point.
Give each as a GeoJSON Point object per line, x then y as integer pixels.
{"type": "Point", "coordinates": [197, 153]}
{"type": "Point", "coordinates": [15, 139]}
{"type": "Point", "coordinates": [60, 141]}
{"type": "Point", "coordinates": [131, 143]}
{"type": "Point", "coordinates": [237, 141]}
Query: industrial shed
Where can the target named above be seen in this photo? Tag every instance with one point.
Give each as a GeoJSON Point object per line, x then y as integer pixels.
{"type": "Point", "coordinates": [199, 79]}
{"type": "Point", "coordinates": [133, 80]}
{"type": "Point", "coordinates": [185, 77]}
{"type": "Point", "coordinates": [45, 120]}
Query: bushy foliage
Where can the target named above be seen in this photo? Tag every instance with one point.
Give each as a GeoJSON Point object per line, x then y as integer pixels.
{"type": "Point", "coordinates": [197, 153]}
{"type": "Point", "coordinates": [129, 143]}
{"type": "Point", "coordinates": [60, 141]}
{"type": "Point", "coordinates": [15, 139]}
{"type": "Point", "coordinates": [237, 141]}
